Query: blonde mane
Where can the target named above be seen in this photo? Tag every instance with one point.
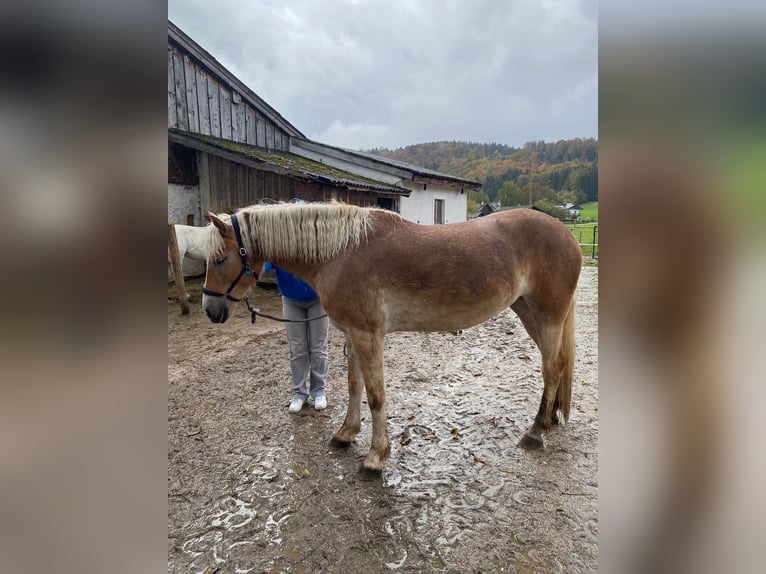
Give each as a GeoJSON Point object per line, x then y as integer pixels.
{"type": "Point", "coordinates": [311, 232]}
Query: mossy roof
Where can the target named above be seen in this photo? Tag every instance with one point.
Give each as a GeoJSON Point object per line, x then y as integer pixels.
{"type": "Point", "coordinates": [289, 163]}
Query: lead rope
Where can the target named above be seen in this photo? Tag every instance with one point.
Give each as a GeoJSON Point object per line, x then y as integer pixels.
{"type": "Point", "coordinates": [255, 312]}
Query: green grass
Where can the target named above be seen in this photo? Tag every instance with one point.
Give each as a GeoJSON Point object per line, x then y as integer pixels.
{"type": "Point", "coordinates": [584, 233]}
{"type": "Point", "coordinates": [589, 211]}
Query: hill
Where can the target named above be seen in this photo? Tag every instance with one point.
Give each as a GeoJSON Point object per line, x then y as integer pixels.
{"type": "Point", "coordinates": [566, 170]}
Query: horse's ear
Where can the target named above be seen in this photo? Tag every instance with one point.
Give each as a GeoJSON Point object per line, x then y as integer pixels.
{"type": "Point", "coordinates": [217, 222]}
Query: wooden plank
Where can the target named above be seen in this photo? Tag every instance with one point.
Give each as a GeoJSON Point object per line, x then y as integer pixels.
{"type": "Point", "coordinates": [226, 187]}
{"type": "Point", "coordinates": [215, 106]}
{"type": "Point", "coordinates": [226, 123]}
{"type": "Point", "coordinates": [191, 95]}
{"type": "Point", "coordinates": [261, 184]}
{"type": "Point", "coordinates": [274, 188]}
{"type": "Point", "coordinates": [241, 186]}
{"type": "Point", "coordinates": [220, 191]}
{"type": "Point", "coordinates": [252, 186]}
{"type": "Point", "coordinates": [234, 121]}
{"type": "Point", "coordinates": [268, 186]}
{"type": "Point", "coordinates": [172, 108]}
{"type": "Point", "coordinates": [224, 190]}
{"type": "Point", "coordinates": [205, 199]}
{"type": "Point", "coordinates": [250, 125]}
{"type": "Point", "coordinates": [178, 273]}
{"type": "Point", "coordinates": [270, 135]}
{"type": "Point", "coordinates": [260, 130]}
{"type": "Point", "coordinates": [214, 165]}
{"type": "Point", "coordinates": [180, 86]}
{"type": "Point", "coordinates": [238, 122]}
{"type": "Point", "coordinates": [230, 182]}
{"type": "Point", "coordinates": [204, 102]}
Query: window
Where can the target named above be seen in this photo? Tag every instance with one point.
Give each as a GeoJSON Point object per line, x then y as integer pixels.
{"type": "Point", "coordinates": [389, 203]}
{"type": "Point", "coordinates": [438, 211]}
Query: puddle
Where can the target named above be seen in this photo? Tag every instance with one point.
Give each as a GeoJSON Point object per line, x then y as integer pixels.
{"type": "Point", "coordinates": [256, 489]}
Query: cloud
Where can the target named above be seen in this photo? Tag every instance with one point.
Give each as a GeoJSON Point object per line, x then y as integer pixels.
{"type": "Point", "coordinates": [358, 136]}
{"type": "Point", "coordinates": [407, 72]}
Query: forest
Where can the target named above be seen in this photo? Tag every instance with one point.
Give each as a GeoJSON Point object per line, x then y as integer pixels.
{"type": "Point", "coordinates": [540, 173]}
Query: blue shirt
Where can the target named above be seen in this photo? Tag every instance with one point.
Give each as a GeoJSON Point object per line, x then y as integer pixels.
{"type": "Point", "coordinates": [290, 286]}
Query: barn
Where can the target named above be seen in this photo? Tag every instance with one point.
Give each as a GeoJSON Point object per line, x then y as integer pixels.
{"type": "Point", "coordinates": [228, 148]}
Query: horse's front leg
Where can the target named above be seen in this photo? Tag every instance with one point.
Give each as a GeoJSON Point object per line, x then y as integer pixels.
{"type": "Point", "coordinates": [352, 424]}
{"type": "Point", "coordinates": [368, 347]}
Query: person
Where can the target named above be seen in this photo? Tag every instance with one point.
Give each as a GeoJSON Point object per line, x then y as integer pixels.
{"type": "Point", "coordinates": [307, 340]}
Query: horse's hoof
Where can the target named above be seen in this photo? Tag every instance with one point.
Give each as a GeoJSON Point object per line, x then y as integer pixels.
{"type": "Point", "coordinates": [530, 442]}
{"type": "Point", "coordinates": [370, 473]}
{"type": "Point", "coordinates": [337, 443]}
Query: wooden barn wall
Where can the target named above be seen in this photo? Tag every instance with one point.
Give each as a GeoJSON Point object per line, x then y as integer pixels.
{"type": "Point", "coordinates": [198, 102]}
{"type": "Point", "coordinates": [233, 186]}
{"type": "Point", "coordinates": [182, 165]}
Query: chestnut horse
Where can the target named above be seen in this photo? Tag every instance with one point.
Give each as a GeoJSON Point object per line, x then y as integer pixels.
{"type": "Point", "coordinates": [376, 272]}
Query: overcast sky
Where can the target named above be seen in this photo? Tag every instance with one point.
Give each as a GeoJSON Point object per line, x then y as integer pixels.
{"type": "Point", "coordinates": [361, 74]}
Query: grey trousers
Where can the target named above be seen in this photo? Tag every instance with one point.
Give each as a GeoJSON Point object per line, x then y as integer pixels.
{"type": "Point", "coordinates": [308, 346]}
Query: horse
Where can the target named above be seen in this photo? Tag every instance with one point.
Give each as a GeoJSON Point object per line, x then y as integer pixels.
{"type": "Point", "coordinates": [376, 272]}
{"type": "Point", "coordinates": [192, 243]}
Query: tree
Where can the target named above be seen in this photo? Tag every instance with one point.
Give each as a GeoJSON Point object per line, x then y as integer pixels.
{"type": "Point", "coordinates": [510, 194]}
{"type": "Point", "coordinates": [570, 196]}
{"type": "Point", "coordinates": [547, 206]}
{"type": "Point", "coordinates": [584, 181]}
{"type": "Point", "coordinates": [538, 192]}
{"type": "Point", "coordinates": [475, 200]}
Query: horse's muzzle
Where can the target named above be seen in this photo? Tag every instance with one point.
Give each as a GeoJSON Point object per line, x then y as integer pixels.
{"type": "Point", "coordinates": [217, 313]}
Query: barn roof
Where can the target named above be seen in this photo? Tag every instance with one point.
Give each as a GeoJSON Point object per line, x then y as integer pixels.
{"type": "Point", "coordinates": [282, 162]}
{"type": "Point", "coordinates": [292, 162]}
{"type": "Point", "coordinates": [399, 168]}
{"type": "Point", "coordinates": [213, 66]}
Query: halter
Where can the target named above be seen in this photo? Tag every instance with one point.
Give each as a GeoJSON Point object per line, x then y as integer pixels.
{"type": "Point", "coordinates": [246, 270]}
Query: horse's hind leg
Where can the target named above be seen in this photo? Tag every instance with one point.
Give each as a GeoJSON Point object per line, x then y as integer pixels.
{"type": "Point", "coordinates": [533, 438]}
{"type": "Point", "coordinates": [353, 422]}
{"type": "Point", "coordinates": [548, 334]}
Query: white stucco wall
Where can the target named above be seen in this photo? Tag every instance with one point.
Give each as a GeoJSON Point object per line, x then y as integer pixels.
{"type": "Point", "coordinates": [182, 201]}
{"type": "Point", "coordinates": [419, 206]}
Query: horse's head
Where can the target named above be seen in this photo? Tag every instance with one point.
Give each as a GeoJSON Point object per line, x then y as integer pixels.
{"type": "Point", "coordinates": [229, 274]}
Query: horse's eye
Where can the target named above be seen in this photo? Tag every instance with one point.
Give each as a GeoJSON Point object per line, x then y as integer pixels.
{"type": "Point", "coordinates": [219, 260]}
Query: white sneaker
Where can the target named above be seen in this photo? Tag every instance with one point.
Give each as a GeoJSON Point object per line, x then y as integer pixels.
{"type": "Point", "coordinates": [320, 403]}
{"type": "Point", "coordinates": [296, 404]}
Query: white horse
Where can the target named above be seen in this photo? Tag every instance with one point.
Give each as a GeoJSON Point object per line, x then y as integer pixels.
{"type": "Point", "coordinates": [192, 242]}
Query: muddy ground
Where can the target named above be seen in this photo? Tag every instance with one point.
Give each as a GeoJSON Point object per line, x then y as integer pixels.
{"type": "Point", "coordinates": [254, 489]}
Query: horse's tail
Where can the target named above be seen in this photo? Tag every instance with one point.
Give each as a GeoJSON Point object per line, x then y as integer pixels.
{"type": "Point", "coordinates": [567, 354]}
